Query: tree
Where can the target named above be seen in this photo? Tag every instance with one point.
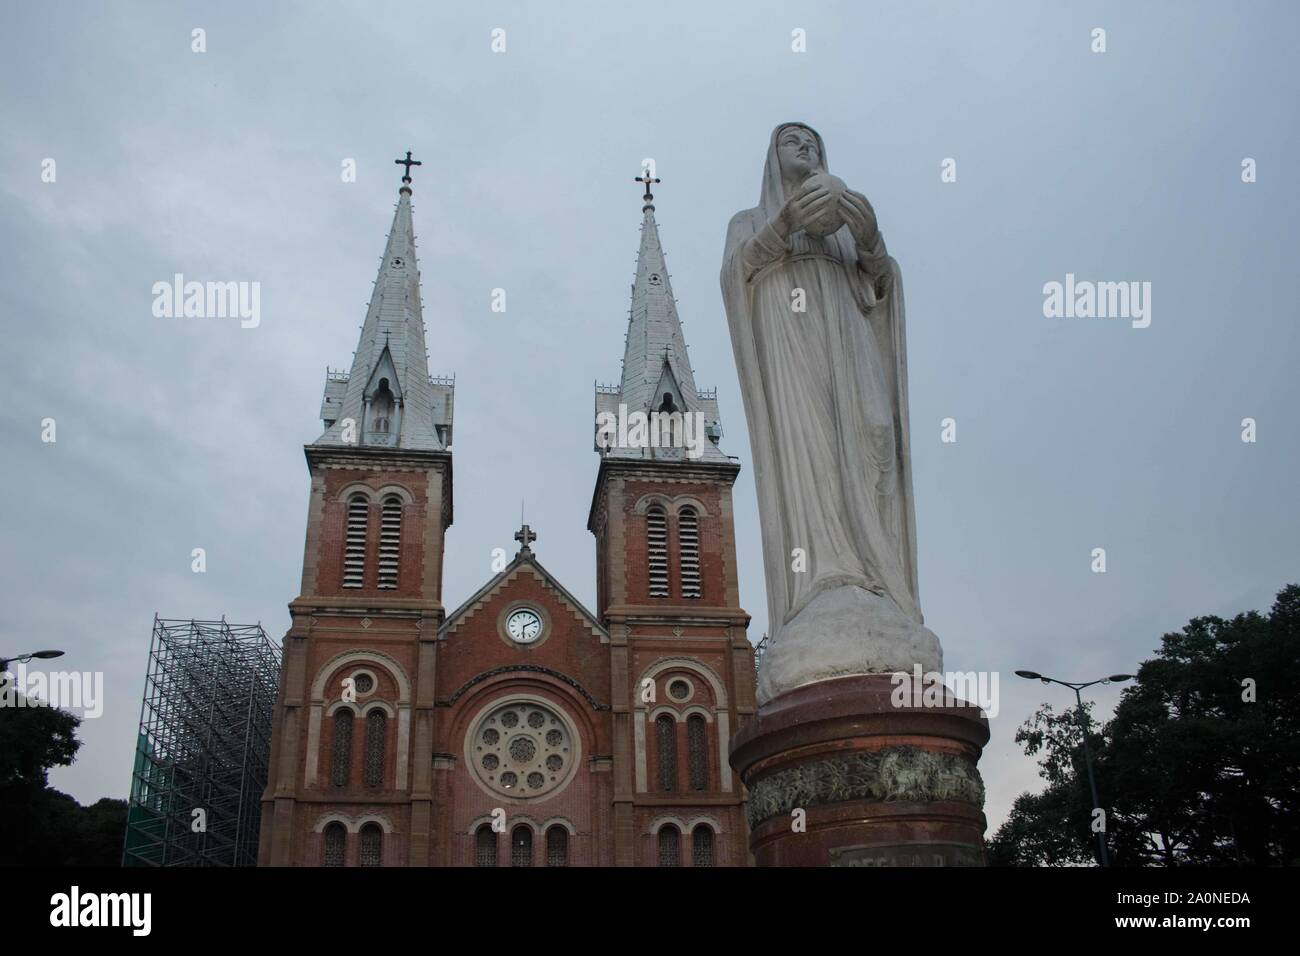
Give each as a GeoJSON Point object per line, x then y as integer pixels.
{"type": "Point", "coordinates": [1200, 764]}
{"type": "Point", "coordinates": [40, 825]}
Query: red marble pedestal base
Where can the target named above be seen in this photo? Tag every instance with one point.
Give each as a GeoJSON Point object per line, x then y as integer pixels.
{"type": "Point", "coordinates": [844, 773]}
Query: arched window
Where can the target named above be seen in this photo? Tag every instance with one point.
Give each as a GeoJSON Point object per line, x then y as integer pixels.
{"type": "Point", "coordinates": [688, 551]}
{"type": "Point", "coordinates": [341, 754]}
{"type": "Point", "coordinates": [354, 550]}
{"type": "Point", "coordinates": [372, 845]}
{"type": "Point", "coordinates": [656, 530]}
{"type": "Point", "coordinates": [557, 846]}
{"type": "Point", "coordinates": [521, 846]}
{"type": "Point", "coordinates": [376, 730]}
{"type": "Point", "coordinates": [336, 839]}
{"type": "Point", "coordinates": [390, 541]}
{"type": "Point", "coordinates": [485, 846]}
{"type": "Point", "coordinates": [666, 744]}
{"type": "Point", "coordinates": [702, 845]}
{"type": "Point", "coordinates": [670, 846]}
{"type": "Point", "coordinates": [697, 754]}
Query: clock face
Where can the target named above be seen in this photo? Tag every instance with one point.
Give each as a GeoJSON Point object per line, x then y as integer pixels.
{"type": "Point", "coordinates": [524, 625]}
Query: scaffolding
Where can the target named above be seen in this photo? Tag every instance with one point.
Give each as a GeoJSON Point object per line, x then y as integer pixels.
{"type": "Point", "coordinates": [204, 745]}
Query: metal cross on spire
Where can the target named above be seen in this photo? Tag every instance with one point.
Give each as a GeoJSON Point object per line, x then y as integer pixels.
{"type": "Point", "coordinates": [646, 178]}
{"type": "Point", "coordinates": [408, 163]}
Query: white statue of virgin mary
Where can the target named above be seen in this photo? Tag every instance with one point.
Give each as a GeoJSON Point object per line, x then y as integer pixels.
{"type": "Point", "coordinates": [815, 307]}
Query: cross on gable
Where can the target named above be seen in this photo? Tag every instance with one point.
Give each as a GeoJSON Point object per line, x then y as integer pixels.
{"type": "Point", "coordinates": [525, 536]}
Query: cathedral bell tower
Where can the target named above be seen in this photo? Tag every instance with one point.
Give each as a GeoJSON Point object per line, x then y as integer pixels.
{"type": "Point", "coordinates": [356, 695]}
{"type": "Point", "coordinates": [682, 667]}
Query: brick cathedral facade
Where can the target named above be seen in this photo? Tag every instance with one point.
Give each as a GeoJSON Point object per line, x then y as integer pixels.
{"type": "Point", "coordinates": [520, 728]}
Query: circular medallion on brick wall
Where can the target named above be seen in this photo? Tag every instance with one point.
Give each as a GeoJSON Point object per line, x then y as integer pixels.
{"type": "Point", "coordinates": [522, 748]}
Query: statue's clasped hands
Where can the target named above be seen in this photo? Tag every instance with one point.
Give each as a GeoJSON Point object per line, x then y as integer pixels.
{"type": "Point", "coordinates": [824, 204]}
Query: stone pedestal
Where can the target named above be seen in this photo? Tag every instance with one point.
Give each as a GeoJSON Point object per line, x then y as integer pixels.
{"type": "Point", "coordinates": [878, 784]}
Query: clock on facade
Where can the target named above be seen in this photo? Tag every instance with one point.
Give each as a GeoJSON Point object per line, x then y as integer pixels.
{"type": "Point", "coordinates": [524, 626]}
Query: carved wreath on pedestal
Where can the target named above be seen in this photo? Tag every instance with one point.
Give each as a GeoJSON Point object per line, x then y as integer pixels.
{"type": "Point", "coordinates": [889, 775]}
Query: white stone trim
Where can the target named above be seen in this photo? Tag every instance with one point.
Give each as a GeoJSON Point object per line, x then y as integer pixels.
{"type": "Point", "coordinates": [671, 505]}
{"type": "Point", "coordinates": [374, 657]}
{"type": "Point", "coordinates": [328, 818]}
{"type": "Point", "coordinates": [485, 819]}
{"type": "Point", "coordinates": [670, 699]}
{"type": "Point", "coordinates": [314, 717]}
{"type": "Point", "coordinates": [356, 488]}
{"type": "Point", "coordinates": [503, 697]}
{"type": "Point", "coordinates": [311, 773]}
{"type": "Point", "coordinates": [688, 664]}
{"type": "Point", "coordinates": [394, 489]}
{"type": "Point", "coordinates": [378, 818]}
{"type": "Point", "coordinates": [710, 822]}
{"type": "Point", "coordinates": [557, 822]}
{"type": "Point", "coordinates": [383, 705]}
{"type": "Point", "coordinates": [639, 748]}
{"type": "Point", "coordinates": [374, 681]}
{"type": "Point", "coordinates": [683, 501]}
{"type": "Point", "coordinates": [659, 822]}
{"type": "Point", "coordinates": [722, 721]}
{"type": "Point", "coordinates": [653, 498]}
{"type": "Point", "coordinates": [662, 709]}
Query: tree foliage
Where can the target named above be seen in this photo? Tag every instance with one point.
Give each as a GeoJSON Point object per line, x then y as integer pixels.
{"type": "Point", "coordinates": [40, 826]}
{"type": "Point", "coordinates": [1200, 764]}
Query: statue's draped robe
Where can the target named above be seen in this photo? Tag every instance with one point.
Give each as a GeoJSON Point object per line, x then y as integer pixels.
{"type": "Point", "coordinates": [825, 394]}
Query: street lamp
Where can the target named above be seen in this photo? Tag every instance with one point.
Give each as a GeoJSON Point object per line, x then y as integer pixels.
{"type": "Point", "coordinates": [1087, 752]}
{"type": "Point", "coordinates": [24, 658]}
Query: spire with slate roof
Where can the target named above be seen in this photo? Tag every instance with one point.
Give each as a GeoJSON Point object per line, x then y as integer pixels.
{"type": "Point", "coordinates": [388, 399]}
{"type": "Point", "coordinates": [656, 367]}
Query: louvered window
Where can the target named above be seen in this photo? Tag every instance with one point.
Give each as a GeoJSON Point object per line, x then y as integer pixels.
{"type": "Point", "coordinates": [702, 845]}
{"type": "Point", "coordinates": [557, 846]}
{"type": "Point", "coordinates": [666, 741]}
{"type": "Point", "coordinates": [688, 551]}
{"type": "Point", "coordinates": [372, 845]}
{"type": "Point", "coordinates": [341, 755]}
{"type": "Point", "coordinates": [485, 846]}
{"type": "Point", "coordinates": [521, 846]}
{"type": "Point", "coordinates": [336, 839]}
{"type": "Point", "coordinates": [354, 552]}
{"type": "Point", "coordinates": [656, 524]}
{"type": "Point", "coordinates": [390, 541]}
{"type": "Point", "coordinates": [697, 754]}
{"type": "Point", "coordinates": [376, 728]}
{"type": "Point", "coordinates": [670, 846]}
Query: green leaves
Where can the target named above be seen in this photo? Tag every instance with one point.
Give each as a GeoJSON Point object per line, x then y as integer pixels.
{"type": "Point", "coordinates": [1199, 766]}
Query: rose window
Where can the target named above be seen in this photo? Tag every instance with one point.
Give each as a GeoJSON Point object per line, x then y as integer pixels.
{"type": "Point", "coordinates": [522, 749]}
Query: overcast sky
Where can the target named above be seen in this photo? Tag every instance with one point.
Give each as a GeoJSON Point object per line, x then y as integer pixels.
{"type": "Point", "coordinates": [1072, 434]}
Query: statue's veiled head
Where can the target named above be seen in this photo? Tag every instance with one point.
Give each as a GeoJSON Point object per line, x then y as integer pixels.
{"type": "Point", "coordinates": [798, 150]}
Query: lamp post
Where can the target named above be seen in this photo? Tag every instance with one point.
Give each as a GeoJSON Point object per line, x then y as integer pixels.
{"type": "Point", "coordinates": [1083, 726]}
{"type": "Point", "coordinates": [24, 658]}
